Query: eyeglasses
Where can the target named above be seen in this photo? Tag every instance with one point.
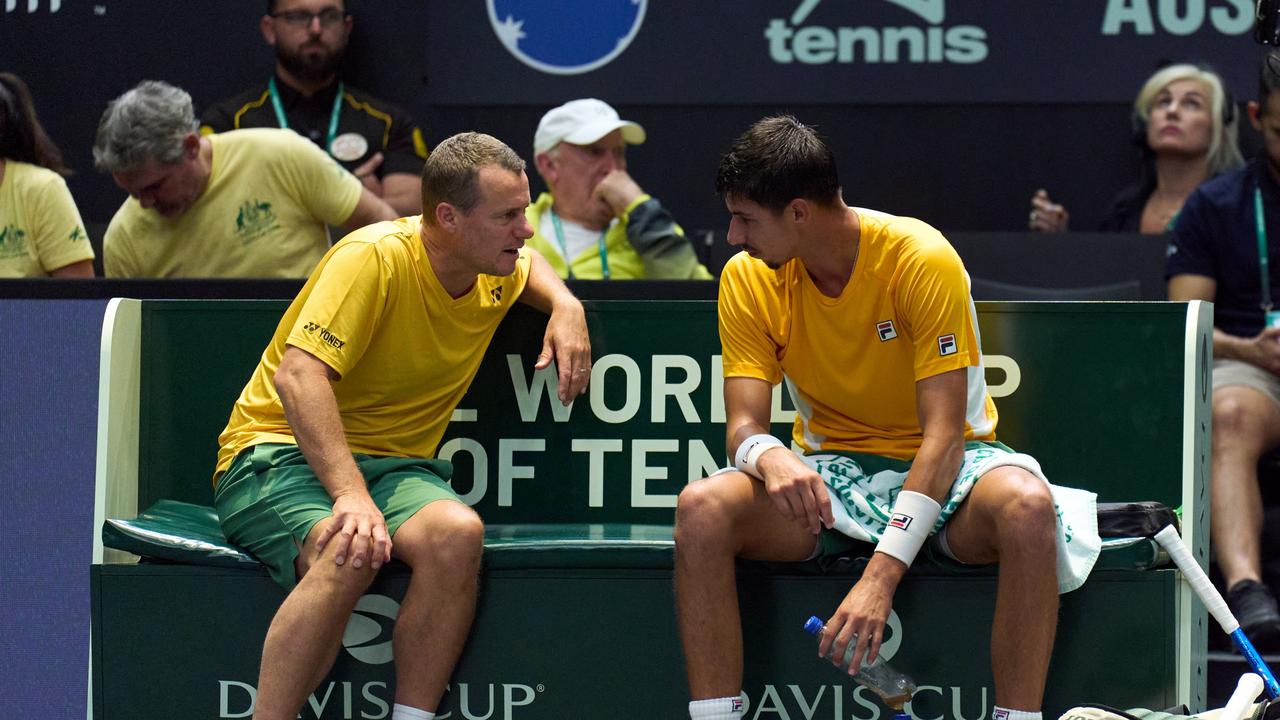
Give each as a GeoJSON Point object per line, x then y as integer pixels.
{"type": "Point", "coordinates": [329, 18]}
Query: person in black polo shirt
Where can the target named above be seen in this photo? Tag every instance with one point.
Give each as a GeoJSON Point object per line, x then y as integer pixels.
{"type": "Point", "coordinates": [377, 141]}
{"type": "Point", "coordinates": [1226, 239]}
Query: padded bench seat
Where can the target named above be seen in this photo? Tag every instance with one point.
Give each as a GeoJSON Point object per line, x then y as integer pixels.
{"type": "Point", "coordinates": [184, 532]}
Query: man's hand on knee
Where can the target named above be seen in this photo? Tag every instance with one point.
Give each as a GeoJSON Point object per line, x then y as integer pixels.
{"type": "Point", "coordinates": [358, 531]}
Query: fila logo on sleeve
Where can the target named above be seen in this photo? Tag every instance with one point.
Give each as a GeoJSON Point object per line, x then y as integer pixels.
{"type": "Point", "coordinates": [886, 330]}
{"type": "Point", "coordinates": [947, 345]}
{"type": "Point", "coordinates": [900, 521]}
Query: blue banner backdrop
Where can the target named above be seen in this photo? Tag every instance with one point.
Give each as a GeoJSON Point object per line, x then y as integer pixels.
{"type": "Point", "coordinates": [504, 52]}
{"type": "Point", "coordinates": [826, 51]}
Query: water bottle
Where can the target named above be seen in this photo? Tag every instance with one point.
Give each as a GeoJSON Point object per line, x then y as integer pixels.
{"type": "Point", "coordinates": [894, 688]}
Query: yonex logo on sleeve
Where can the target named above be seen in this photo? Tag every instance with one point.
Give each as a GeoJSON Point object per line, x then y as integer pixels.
{"type": "Point", "coordinates": [947, 345]}
{"type": "Point", "coordinates": [333, 340]}
{"type": "Point", "coordinates": [886, 330]}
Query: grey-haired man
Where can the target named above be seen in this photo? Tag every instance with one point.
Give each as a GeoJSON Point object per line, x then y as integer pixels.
{"type": "Point", "coordinates": [248, 203]}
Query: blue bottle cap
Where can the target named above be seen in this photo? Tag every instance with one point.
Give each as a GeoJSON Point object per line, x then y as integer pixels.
{"type": "Point", "coordinates": [813, 625]}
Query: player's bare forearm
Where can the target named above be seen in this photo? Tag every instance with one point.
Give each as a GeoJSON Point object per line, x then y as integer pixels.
{"type": "Point", "coordinates": [545, 290]}
{"type": "Point", "coordinates": [748, 403]}
{"type": "Point", "coordinates": [311, 408]}
{"type": "Point", "coordinates": [935, 466]}
{"type": "Point", "coordinates": [940, 406]}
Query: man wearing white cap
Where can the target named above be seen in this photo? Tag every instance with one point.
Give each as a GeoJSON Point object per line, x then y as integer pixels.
{"type": "Point", "coordinates": [596, 223]}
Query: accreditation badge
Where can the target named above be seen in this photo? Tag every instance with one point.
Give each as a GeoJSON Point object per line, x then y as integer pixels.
{"type": "Point", "coordinates": [349, 147]}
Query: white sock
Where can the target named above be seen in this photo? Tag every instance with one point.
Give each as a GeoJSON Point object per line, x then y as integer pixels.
{"type": "Point", "coordinates": [999, 713]}
{"type": "Point", "coordinates": [725, 708]}
{"type": "Point", "coordinates": [404, 712]}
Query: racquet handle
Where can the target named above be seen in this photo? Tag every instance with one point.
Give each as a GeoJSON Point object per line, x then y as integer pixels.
{"type": "Point", "coordinates": [1172, 543]}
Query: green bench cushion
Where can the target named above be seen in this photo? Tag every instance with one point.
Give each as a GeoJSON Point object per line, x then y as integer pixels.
{"type": "Point", "coordinates": [176, 531]}
{"type": "Point", "coordinates": [182, 532]}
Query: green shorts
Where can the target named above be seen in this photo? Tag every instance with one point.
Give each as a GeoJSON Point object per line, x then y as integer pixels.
{"type": "Point", "coordinates": [269, 499]}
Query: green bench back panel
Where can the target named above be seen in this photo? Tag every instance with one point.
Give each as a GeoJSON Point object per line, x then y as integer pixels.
{"type": "Point", "coordinates": [1099, 403]}
{"type": "Point", "coordinates": [196, 357]}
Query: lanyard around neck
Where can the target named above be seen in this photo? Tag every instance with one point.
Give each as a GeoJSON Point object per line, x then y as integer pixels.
{"type": "Point", "coordinates": [564, 248]}
{"type": "Point", "coordinates": [1264, 262]}
{"type": "Point", "coordinates": [333, 116]}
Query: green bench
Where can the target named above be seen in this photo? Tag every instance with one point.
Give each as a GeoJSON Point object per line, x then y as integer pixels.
{"type": "Point", "coordinates": [576, 603]}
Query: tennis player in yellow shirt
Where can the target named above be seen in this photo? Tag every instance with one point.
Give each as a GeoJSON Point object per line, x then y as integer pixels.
{"type": "Point", "coordinates": [867, 318]}
{"type": "Point", "coordinates": [325, 481]}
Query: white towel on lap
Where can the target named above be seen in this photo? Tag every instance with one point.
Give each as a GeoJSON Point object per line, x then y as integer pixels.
{"type": "Point", "coordinates": [862, 504]}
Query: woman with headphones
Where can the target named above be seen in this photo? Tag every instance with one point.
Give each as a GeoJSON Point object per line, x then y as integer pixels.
{"type": "Point", "coordinates": [41, 234]}
{"type": "Point", "coordinates": [1185, 123]}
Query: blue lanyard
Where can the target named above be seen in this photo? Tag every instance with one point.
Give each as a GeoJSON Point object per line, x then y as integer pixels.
{"type": "Point", "coordinates": [1264, 262]}
{"type": "Point", "coordinates": [333, 117]}
{"type": "Point", "coordinates": [564, 249]}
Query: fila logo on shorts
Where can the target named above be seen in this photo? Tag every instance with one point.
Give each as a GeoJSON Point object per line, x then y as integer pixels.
{"type": "Point", "coordinates": [900, 521]}
{"type": "Point", "coordinates": [886, 331]}
{"type": "Point", "coordinates": [737, 705]}
{"type": "Point", "coordinates": [946, 345]}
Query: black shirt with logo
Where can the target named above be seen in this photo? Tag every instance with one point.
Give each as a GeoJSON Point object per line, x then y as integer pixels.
{"type": "Point", "coordinates": [385, 128]}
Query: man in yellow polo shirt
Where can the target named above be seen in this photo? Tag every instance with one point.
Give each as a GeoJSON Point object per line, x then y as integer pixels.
{"type": "Point", "coordinates": [868, 319]}
{"type": "Point", "coordinates": [247, 203]}
{"type": "Point", "coordinates": [324, 481]}
{"type": "Point", "coordinates": [596, 223]}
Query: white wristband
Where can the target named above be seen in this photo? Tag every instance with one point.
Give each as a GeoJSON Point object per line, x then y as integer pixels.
{"type": "Point", "coordinates": [913, 517]}
{"type": "Point", "coordinates": [750, 451]}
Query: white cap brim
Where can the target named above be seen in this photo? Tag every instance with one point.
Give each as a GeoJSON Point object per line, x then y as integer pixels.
{"type": "Point", "coordinates": [632, 133]}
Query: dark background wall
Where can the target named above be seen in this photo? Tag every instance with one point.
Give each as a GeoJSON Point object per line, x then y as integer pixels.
{"type": "Point", "coordinates": [962, 145]}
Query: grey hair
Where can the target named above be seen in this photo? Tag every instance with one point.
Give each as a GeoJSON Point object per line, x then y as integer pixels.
{"type": "Point", "coordinates": [151, 121]}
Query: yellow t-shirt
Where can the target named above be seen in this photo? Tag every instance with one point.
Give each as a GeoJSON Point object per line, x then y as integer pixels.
{"type": "Point", "coordinates": [851, 363]}
{"type": "Point", "coordinates": [40, 227]}
{"type": "Point", "coordinates": [406, 352]}
{"type": "Point", "coordinates": [263, 213]}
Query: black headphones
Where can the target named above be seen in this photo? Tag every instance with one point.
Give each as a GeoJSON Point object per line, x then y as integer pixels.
{"type": "Point", "coordinates": [1138, 123]}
